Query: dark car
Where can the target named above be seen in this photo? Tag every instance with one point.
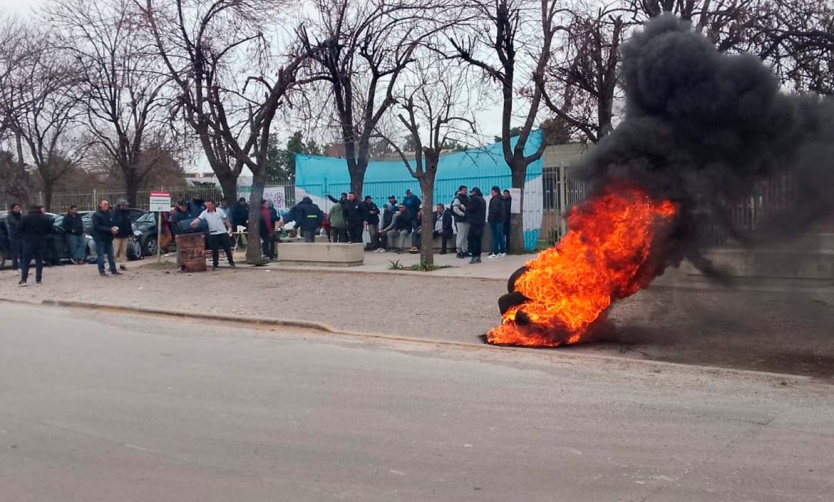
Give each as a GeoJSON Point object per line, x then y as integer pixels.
{"type": "Point", "coordinates": [149, 238]}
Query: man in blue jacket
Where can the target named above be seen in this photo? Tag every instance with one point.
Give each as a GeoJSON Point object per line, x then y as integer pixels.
{"type": "Point", "coordinates": [104, 229]}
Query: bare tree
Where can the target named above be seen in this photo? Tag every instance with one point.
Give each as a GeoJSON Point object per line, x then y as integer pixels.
{"type": "Point", "coordinates": [13, 50]}
{"type": "Point", "coordinates": [230, 88]}
{"type": "Point", "coordinates": [41, 103]}
{"type": "Point", "coordinates": [795, 37]}
{"type": "Point", "coordinates": [500, 49]}
{"type": "Point", "coordinates": [120, 89]}
{"type": "Point", "coordinates": [580, 86]}
{"type": "Point", "coordinates": [434, 103]}
{"type": "Point", "coordinates": [361, 48]}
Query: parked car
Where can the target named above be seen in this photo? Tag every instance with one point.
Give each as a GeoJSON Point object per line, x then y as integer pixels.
{"type": "Point", "coordinates": [149, 238]}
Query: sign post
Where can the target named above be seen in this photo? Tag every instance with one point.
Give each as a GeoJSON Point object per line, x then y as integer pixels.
{"type": "Point", "coordinates": [159, 203]}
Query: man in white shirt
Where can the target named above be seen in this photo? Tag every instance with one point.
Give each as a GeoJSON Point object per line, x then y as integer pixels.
{"type": "Point", "coordinates": [219, 228]}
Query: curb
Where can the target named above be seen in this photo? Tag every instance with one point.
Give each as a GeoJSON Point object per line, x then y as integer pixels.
{"type": "Point", "coordinates": [260, 322]}
{"type": "Point", "coordinates": [257, 321]}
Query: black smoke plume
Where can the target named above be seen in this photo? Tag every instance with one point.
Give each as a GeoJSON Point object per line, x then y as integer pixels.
{"type": "Point", "coordinates": [702, 128]}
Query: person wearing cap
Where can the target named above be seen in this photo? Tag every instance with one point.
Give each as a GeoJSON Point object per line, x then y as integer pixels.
{"type": "Point", "coordinates": [121, 219]}
{"type": "Point", "coordinates": [372, 211]}
{"type": "Point", "coordinates": [398, 230]}
{"type": "Point", "coordinates": [459, 206]}
{"type": "Point", "coordinates": [476, 217]}
{"type": "Point", "coordinates": [177, 216]}
{"type": "Point", "coordinates": [412, 203]}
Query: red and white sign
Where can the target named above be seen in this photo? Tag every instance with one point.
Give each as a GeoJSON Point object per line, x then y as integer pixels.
{"type": "Point", "coordinates": [160, 201]}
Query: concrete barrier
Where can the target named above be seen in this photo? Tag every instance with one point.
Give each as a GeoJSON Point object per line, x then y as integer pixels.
{"type": "Point", "coordinates": [321, 254]}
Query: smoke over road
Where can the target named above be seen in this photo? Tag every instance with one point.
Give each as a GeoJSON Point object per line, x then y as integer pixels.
{"type": "Point", "coordinates": [701, 128]}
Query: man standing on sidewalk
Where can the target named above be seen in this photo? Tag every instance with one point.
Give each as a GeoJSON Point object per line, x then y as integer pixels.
{"type": "Point", "coordinates": [74, 229]}
{"type": "Point", "coordinates": [121, 219]}
{"type": "Point", "coordinates": [15, 242]}
{"type": "Point", "coordinates": [104, 229]}
{"type": "Point", "coordinates": [476, 217]}
{"type": "Point", "coordinates": [372, 212]}
{"type": "Point", "coordinates": [508, 204]}
{"type": "Point", "coordinates": [219, 228]}
{"type": "Point", "coordinates": [495, 217]}
{"type": "Point", "coordinates": [267, 231]}
{"type": "Point", "coordinates": [459, 206]}
{"type": "Point", "coordinates": [355, 217]}
{"type": "Point", "coordinates": [35, 229]}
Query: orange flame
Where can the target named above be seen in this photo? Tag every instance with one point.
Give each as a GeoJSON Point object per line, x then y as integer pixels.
{"type": "Point", "coordinates": [606, 255]}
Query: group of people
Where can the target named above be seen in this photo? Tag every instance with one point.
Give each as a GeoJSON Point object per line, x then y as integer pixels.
{"type": "Point", "coordinates": [397, 224]}
{"type": "Point", "coordinates": [30, 238]}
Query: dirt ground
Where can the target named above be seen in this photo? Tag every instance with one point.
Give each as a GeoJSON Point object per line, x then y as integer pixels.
{"type": "Point", "coordinates": [786, 332]}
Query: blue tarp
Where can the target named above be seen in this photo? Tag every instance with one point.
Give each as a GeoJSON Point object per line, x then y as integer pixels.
{"type": "Point", "coordinates": [482, 167]}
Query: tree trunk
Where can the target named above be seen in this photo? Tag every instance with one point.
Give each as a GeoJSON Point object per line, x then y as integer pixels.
{"type": "Point", "coordinates": [357, 181]}
{"type": "Point", "coordinates": [357, 170]}
{"type": "Point", "coordinates": [48, 188]}
{"type": "Point", "coordinates": [427, 225]}
{"type": "Point", "coordinates": [131, 187]}
{"type": "Point", "coordinates": [254, 254]}
{"type": "Point", "coordinates": [228, 182]}
{"type": "Point", "coordinates": [519, 173]}
{"type": "Point", "coordinates": [19, 145]}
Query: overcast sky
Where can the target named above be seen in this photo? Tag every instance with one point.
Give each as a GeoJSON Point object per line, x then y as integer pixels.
{"type": "Point", "coordinates": [489, 118]}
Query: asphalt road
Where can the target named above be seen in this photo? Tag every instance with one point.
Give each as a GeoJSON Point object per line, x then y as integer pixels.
{"type": "Point", "coordinates": [101, 408]}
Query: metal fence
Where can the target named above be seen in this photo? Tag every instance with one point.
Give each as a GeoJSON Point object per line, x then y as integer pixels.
{"type": "Point", "coordinates": [560, 193]}
{"type": "Point", "coordinates": [88, 201]}
{"type": "Point", "coordinates": [768, 198]}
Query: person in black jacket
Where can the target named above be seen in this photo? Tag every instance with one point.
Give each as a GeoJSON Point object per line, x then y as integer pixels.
{"type": "Point", "coordinates": [444, 226]}
{"type": "Point", "coordinates": [398, 230]}
{"type": "Point", "coordinates": [240, 214]}
{"type": "Point", "coordinates": [15, 242]}
{"type": "Point", "coordinates": [196, 207]}
{"type": "Point", "coordinates": [508, 204]}
{"type": "Point", "coordinates": [495, 217]}
{"type": "Point", "coordinates": [121, 218]}
{"type": "Point", "coordinates": [35, 230]}
{"type": "Point", "coordinates": [355, 217]}
{"type": "Point", "coordinates": [372, 211]}
{"type": "Point", "coordinates": [308, 218]}
{"type": "Point", "coordinates": [476, 217]}
{"type": "Point", "coordinates": [73, 227]}
{"type": "Point", "coordinates": [104, 229]}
